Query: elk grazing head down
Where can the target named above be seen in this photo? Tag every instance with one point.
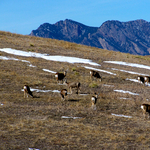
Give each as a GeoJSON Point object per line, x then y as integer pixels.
{"type": "Point", "coordinates": [63, 94]}
{"type": "Point", "coordinates": [27, 91]}
{"type": "Point", "coordinates": [96, 75]}
{"type": "Point", "coordinates": [94, 99]}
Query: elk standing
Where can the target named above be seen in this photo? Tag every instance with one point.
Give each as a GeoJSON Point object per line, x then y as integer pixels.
{"type": "Point", "coordinates": [27, 91]}
{"type": "Point", "coordinates": [146, 108]}
{"type": "Point", "coordinates": [60, 76]}
{"type": "Point", "coordinates": [147, 79]}
{"type": "Point", "coordinates": [141, 79]}
{"type": "Point", "coordinates": [94, 101]}
{"type": "Point", "coordinates": [95, 74]}
{"type": "Point", "coordinates": [63, 94]}
{"type": "Point", "coordinates": [72, 85]}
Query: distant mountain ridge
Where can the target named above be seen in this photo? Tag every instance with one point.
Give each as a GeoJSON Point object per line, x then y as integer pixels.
{"type": "Point", "coordinates": [129, 37]}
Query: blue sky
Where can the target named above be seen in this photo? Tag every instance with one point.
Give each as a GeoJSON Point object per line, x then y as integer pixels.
{"type": "Point", "coordinates": [22, 17]}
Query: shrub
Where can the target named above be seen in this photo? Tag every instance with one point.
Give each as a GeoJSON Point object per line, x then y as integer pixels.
{"type": "Point", "coordinates": [93, 85]}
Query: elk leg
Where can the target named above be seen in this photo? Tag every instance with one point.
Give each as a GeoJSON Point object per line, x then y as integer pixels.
{"type": "Point", "coordinates": [24, 94]}
{"type": "Point", "coordinates": [77, 91]}
{"type": "Point", "coordinates": [62, 96]}
{"type": "Point", "coordinates": [148, 115]}
{"type": "Point", "coordinates": [70, 90]}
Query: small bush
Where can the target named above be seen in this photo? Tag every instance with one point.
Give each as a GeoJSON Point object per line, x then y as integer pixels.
{"type": "Point", "coordinates": [93, 85]}
{"type": "Point", "coordinates": [73, 69]}
{"type": "Point", "coordinates": [31, 44]}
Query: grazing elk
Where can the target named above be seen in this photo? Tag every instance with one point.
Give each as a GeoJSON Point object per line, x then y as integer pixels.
{"type": "Point", "coordinates": [141, 79]}
{"type": "Point", "coordinates": [27, 91]}
{"type": "Point", "coordinates": [95, 74]}
{"type": "Point", "coordinates": [145, 108]}
{"type": "Point", "coordinates": [94, 100]}
{"type": "Point", "coordinates": [147, 79]}
{"type": "Point", "coordinates": [72, 85]}
{"type": "Point", "coordinates": [60, 76]}
{"type": "Point", "coordinates": [63, 94]}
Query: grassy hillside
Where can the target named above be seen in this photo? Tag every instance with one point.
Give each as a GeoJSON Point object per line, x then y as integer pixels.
{"type": "Point", "coordinates": [37, 122]}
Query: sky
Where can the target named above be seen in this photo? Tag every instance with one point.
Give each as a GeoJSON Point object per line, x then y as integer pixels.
{"type": "Point", "coordinates": [22, 17]}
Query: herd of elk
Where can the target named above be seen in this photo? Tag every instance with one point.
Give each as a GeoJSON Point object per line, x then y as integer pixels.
{"type": "Point", "coordinates": [145, 107]}
{"type": "Point", "coordinates": [71, 85]}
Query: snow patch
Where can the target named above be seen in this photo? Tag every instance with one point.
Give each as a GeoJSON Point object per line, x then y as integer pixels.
{"type": "Point", "coordinates": [108, 85]}
{"type": "Point", "coordinates": [44, 91]}
{"type": "Point", "coordinates": [70, 117]}
{"type": "Point", "coordinates": [129, 64]}
{"type": "Point", "coordinates": [46, 70]}
{"type": "Point", "coordinates": [47, 57]}
{"type": "Point", "coordinates": [11, 58]}
{"type": "Point", "coordinates": [130, 72]}
{"type": "Point", "coordinates": [124, 98]}
{"type": "Point", "coordinates": [121, 115]}
{"type": "Point", "coordinates": [122, 91]}
{"type": "Point", "coordinates": [30, 65]}
{"type": "Point", "coordinates": [33, 149]}
{"type": "Point", "coordinates": [91, 68]}
{"type": "Point", "coordinates": [134, 80]}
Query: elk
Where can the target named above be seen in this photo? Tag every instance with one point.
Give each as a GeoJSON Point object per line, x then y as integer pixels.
{"type": "Point", "coordinates": [60, 76]}
{"type": "Point", "coordinates": [145, 108]}
{"type": "Point", "coordinates": [147, 79]}
{"type": "Point", "coordinates": [27, 91]}
{"type": "Point", "coordinates": [141, 79]}
{"type": "Point", "coordinates": [63, 94]}
{"type": "Point", "coordinates": [72, 85]}
{"type": "Point", "coordinates": [95, 74]}
{"type": "Point", "coordinates": [94, 101]}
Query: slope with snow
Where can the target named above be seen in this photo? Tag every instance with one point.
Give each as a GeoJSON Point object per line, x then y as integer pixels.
{"type": "Point", "coordinates": [47, 57]}
{"type": "Point", "coordinates": [72, 60]}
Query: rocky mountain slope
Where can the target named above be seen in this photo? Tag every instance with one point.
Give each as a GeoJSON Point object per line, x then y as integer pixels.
{"type": "Point", "coordinates": [130, 37]}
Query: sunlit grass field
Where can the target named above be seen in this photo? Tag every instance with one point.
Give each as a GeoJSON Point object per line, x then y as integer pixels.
{"type": "Point", "coordinates": [37, 123]}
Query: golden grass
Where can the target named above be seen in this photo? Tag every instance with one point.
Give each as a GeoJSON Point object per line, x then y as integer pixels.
{"type": "Point", "coordinates": [37, 123]}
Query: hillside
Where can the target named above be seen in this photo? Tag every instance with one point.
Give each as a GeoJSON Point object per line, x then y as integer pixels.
{"type": "Point", "coordinates": [128, 37]}
{"type": "Point", "coordinates": [47, 122]}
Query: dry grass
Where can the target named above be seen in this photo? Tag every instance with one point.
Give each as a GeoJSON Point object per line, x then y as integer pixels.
{"type": "Point", "coordinates": [37, 123]}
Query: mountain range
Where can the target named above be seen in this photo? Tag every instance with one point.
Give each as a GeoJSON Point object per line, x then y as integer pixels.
{"type": "Point", "coordinates": [128, 37]}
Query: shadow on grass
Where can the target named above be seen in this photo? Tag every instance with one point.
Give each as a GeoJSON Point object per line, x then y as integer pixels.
{"type": "Point", "coordinates": [36, 96]}
{"type": "Point", "coordinates": [73, 100]}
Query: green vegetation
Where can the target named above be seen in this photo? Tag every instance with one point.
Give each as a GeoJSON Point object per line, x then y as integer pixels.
{"type": "Point", "coordinates": [93, 85]}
